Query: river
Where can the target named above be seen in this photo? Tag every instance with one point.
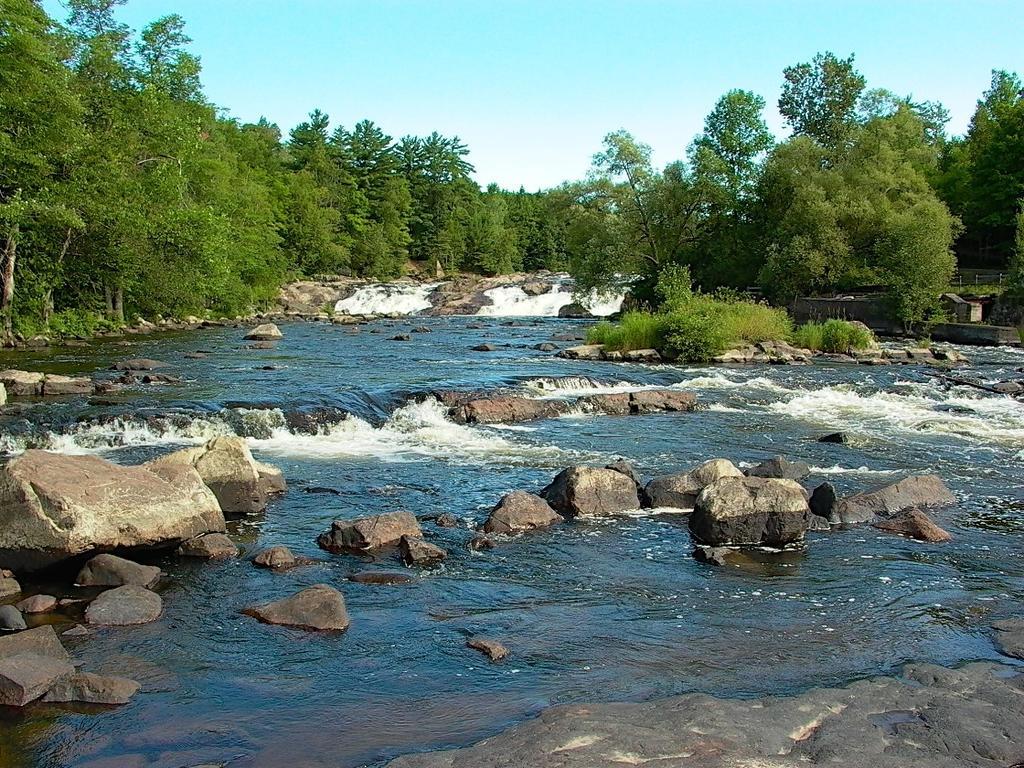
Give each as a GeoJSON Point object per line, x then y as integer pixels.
{"type": "Point", "coordinates": [597, 610]}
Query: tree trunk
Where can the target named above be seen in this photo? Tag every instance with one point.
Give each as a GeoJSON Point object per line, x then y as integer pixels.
{"type": "Point", "coordinates": [108, 295]}
{"type": "Point", "coordinates": [48, 295]}
{"type": "Point", "coordinates": [7, 293]}
{"type": "Point", "coordinates": [119, 304]}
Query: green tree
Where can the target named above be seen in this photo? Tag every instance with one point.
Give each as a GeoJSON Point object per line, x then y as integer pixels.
{"type": "Point", "coordinates": [819, 99]}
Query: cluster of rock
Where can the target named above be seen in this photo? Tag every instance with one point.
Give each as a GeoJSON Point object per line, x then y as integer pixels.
{"type": "Point", "coordinates": [475, 408]}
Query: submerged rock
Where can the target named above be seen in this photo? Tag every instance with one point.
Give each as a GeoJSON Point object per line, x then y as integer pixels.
{"type": "Point", "coordinates": [87, 688]}
{"type": "Point", "coordinates": [374, 532]}
{"type": "Point", "coordinates": [914, 524]}
{"type": "Point", "coordinates": [750, 510]}
{"type": "Point", "coordinates": [319, 607]}
{"type": "Point", "coordinates": [124, 606]}
{"type": "Point", "coordinates": [381, 577]}
{"type": "Point", "coordinates": [416, 551]}
{"type": "Point", "coordinates": [913, 491]}
{"type": "Point", "coordinates": [139, 364]}
{"type": "Point", "coordinates": [679, 491]}
{"type": "Point", "coordinates": [112, 571]}
{"type": "Point", "coordinates": [591, 491]}
{"type": "Point", "coordinates": [56, 506]}
{"type": "Point", "coordinates": [492, 648]}
{"type": "Point", "coordinates": [520, 511]}
{"type": "Point", "coordinates": [446, 520]}
{"type": "Point", "coordinates": [928, 717]}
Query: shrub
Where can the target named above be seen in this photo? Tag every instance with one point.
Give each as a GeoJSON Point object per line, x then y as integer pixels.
{"type": "Point", "coordinates": [694, 337]}
{"type": "Point", "coordinates": [832, 336]}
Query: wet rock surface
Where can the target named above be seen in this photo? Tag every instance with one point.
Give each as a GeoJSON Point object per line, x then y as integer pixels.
{"type": "Point", "coordinates": [320, 607]}
{"type": "Point", "coordinates": [369, 532]}
{"type": "Point", "coordinates": [520, 511]}
{"type": "Point", "coordinates": [913, 491]}
{"type": "Point", "coordinates": [914, 524]}
{"type": "Point", "coordinates": [750, 510]}
{"type": "Point", "coordinates": [108, 570]}
{"type": "Point", "coordinates": [591, 491]}
{"type": "Point", "coordinates": [124, 606]}
{"type": "Point", "coordinates": [929, 717]}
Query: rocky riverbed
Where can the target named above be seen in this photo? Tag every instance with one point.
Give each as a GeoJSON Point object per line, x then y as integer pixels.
{"type": "Point", "coordinates": [457, 539]}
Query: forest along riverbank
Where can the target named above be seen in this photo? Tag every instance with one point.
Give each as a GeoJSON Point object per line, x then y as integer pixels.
{"type": "Point", "coordinates": [585, 578]}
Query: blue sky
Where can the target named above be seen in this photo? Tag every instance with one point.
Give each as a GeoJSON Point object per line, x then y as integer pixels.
{"type": "Point", "coordinates": [533, 85]}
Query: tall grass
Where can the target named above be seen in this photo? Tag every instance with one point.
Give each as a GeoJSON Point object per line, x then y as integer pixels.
{"type": "Point", "coordinates": [832, 336]}
{"type": "Point", "coordinates": [635, 330]}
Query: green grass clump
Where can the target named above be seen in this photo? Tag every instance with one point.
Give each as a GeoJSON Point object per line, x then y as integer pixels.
{"type": "Point", "coordinates": [832, 336]}
{"type": "Point", "coordinates": [636, 330]}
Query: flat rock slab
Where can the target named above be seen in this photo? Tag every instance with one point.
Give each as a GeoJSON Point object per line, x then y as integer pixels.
{"type": "Point", "coordinates": [319, 607]}
{"type": "Point", "coordinates": [39, 641]}
{"type": "Point", "coordinates": [930, 717]}
{"type": "Point", "coordinates": [1009, 636]}
{"type": "Point", "coordinates": [124, 606]}
{"type": "Point", "coordinates": [87, 688]}
{"type": "Point", "coordinates": [26, 677]}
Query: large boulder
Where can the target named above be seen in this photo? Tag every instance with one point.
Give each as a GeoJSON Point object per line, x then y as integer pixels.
{"type": "Point", "coordinates": [591, 491]}
{"type": "Point", "coordinates": [124, 606]}
{"type": "Point", "coordinates": [39, 641]}
{"type": "Point", "coordinates": [374, 532]}
{"type": "Point", "coordinates": [910, 492]}
{"type": "Point", "coordinates": [750, 510]}
{"type": "Point", "coordinates": [264, 332]}
{"type": "Point", "coordinates": [26, 677]}
{"type": "Point", "coordinates": [225, 464]}
{"type": "Point", "coordinates": [54, 385]}
{"type": "Point", "coordinates": [54, 507]}
{"type": "Point", "coordinates": [416, 551]}
{"type": "Point", "coordinates": [319, 607]}
{"type": "Point", "coordinates": [679, 491]}
{"type": "Point", "coordinates": [780, 468]}
{"type": "Point", "coordinates": [520, 511]}
{"type": "Point", "coordinates": [112, 571]}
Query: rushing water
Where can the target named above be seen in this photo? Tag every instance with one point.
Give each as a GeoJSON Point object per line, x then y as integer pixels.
{"type": "Point", "coordinates": [600, 609]}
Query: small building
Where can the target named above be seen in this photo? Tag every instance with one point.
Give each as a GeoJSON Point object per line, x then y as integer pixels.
{"type": "Point", "coordinates": [960, 309]}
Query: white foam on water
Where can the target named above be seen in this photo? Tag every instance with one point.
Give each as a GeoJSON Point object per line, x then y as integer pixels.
{"type": "Point", "coordinates": [837, 470]}
{"type": "Point", "coordinates": [387, 299]}
{"type": "Point", "coordinates": [513, 301]}
{"type": "Point", "coordinates": [414, 431]}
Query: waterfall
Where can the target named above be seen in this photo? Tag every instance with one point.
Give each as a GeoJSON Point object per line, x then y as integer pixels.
{"type": "Point", "coordinates": [387, 298]}
{"type": "Point", "coordinates": [513, 301]}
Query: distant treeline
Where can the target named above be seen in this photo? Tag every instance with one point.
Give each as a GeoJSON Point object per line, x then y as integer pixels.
{"type": "Point", "coordinates": [124, 191]}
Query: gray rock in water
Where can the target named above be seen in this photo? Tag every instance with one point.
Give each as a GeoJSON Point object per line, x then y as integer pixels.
{"type": "Point", "coordinates": [278, 558]}
{"type": "Point", "coordinates": [492, 648]}
{"type": "Point", "coordinates": [887, 501]}
{"type": "Point", "coordinates": [87, 688]}
{"type": "Point", "coordinates": [11, 619]}
{"type": "Point", "coordinates": [591, 491]}
{"type": "Point", "coordinates": [623, 466]}
{"type": "Point", "coordinates": [750, 510]}
{"type": "Point", "coordinates": [1009, 636]}
{"type": "Point", "coordinates": [113, 571]}
{"type": "Point", "coordinates": [25, 677]}
{"type": "Point", "coordinates": [124, 606]}
{"type": "Point", "coordinates": [679, 491]}
{"type": "Point", "coordinates": [211, 546]}
{"type": "Point", "coordinates": [823, 502]}
{"type": "Point", "coordinates": [416, 551]}
{"type": "Point", "coordinates": [929, 717]}
{"type": "Point", "coordinates": [520, 511]}
{"type": "Point", "coordinates": [264, 332]}
{"type": "Point", "coordinates": [484, 348]}
{"type": "Point", "coordinates": [320, 607]}
{"type": "Point", "coordinates": [369, 532]}
{"type": "Point", "coordinates": [780, 468]}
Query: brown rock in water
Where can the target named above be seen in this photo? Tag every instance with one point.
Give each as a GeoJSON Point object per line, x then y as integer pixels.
{"type": "Point", "coordinates": [54, 385]}
{"type": "Point", "coordinates": [278, 558]}
{"type": "Point", "coordinates": [319, 607]}
{"type": "Point", "coordinates": [87, 688]}
{"type": "Point", "coordinates": [264, 332]}
{"type": "Point", "coordinates": [37, 604]}
{"type": "Point", "coordinates": [680, 491]}
{"type": "Point", "coordinates": [25, 677]}
{"type": "Point", "coordinates": [416, 551]}
{"type": "Point", "coordinates": [910, 492]}
{"type": "Point", "coordinates": [38, 641]}
{"type": "Point", "coordinates": [506, 410]}
{"type": "Point", "coordinates": [591, 491]}
{"type": "Point", "coordinates": [914, 524]}
{"type": "Point", "coordinates": [211, 546]}
{"type": "Point", "coordinates": [750, 510]}
{"type": "Point", "coordinates": [481, 544]}
{"type": "Point", "coordinates": [112, 571]}
{"type": "Point", "coordinates": [22, 383]}
{"type": "Point", "coordinates": [446, 520]}
{"type": "Point", "coordinates": [9, 585]}
{"type": "Point", "coordinates": [369, 532]}
{"type": "Point", "coordinates": [492, 648]}
{"type": "Point", "coordinates": [520, 511]}
{"type": "Point", "coordinates": [124, 606]}
{"type": "Point", "coordinates": [56, 506]}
